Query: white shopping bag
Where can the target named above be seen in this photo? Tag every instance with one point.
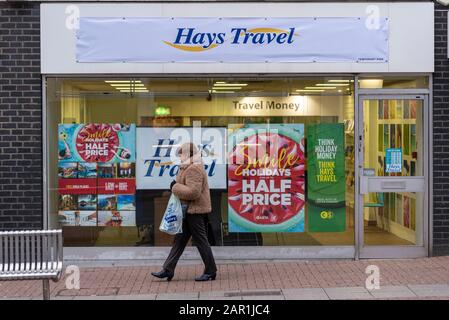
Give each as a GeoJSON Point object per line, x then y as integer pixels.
{"type": "Point", "coordinates": [172, 220]}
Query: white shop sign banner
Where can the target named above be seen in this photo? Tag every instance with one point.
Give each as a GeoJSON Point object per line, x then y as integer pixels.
{"type": "Point", "coordinates": [347, 39]}
{"type": "Point", "coordinates": [157, 163]}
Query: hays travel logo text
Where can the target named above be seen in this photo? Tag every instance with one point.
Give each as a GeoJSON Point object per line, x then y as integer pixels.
{"type": "Point", "coordinates": [189, 39]}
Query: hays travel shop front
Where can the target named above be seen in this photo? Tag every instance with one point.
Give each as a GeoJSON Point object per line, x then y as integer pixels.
{"type": "Point", "coordinates": [276, 103]}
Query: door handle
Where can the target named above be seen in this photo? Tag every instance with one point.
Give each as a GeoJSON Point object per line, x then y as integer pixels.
{"type": "Point", "coordinates": [381, 184]}
{"type": "Point", "coordinates": [393, 184]}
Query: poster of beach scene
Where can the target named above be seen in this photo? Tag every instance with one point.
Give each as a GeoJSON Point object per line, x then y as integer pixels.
{"type": "Point", "coordinates": [77, 218]}
{"type": "Point", "coordinates": [126, 202]}
{"type": "Point", "coordinates": [116, 218]}
{"type": "Point", "coordinates": [87, 202]}
{"type": "Point", "coordinates": [87, 170]}
{"type": "Point", "coordinates": [67, 170]}
{"type": "Point", "coordinates": [107, 202]}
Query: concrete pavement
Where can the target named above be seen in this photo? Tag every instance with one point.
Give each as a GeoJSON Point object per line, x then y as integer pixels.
{"type": "Point", "coordinates": [337, 293]}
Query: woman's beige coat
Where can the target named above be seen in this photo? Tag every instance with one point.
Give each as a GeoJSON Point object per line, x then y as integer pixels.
{"type": "Point", "coordinates": [191, 186]}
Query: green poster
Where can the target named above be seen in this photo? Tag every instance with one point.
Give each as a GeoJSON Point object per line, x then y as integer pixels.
{"type": "Point", "coordinates": [326, 178]}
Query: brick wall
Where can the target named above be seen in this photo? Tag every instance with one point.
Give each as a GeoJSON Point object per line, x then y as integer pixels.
{"type": "Point", "coordinates": [20, 117]}
{"type": "Point", "coordinates": [441, 135]}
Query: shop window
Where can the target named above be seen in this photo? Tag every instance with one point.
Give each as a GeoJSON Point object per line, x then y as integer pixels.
{"type": "Point", "coordinates": [100, 131]}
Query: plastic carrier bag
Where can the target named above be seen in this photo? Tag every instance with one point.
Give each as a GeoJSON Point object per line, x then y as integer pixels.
{"type": "Point", "coordinates": [172, 220]}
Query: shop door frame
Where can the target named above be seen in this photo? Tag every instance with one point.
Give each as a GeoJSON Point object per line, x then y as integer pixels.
{"type": "Point", "coordinates": [391, 251]}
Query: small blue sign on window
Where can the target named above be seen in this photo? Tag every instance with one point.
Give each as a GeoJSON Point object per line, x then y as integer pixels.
{"type": "Point", "coordinates": [393, 161]}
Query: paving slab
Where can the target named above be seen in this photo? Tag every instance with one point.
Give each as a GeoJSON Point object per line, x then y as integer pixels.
{"type": "Point", "coordinates": [62, 298]}
{"type": "Point", "coordinates": [265, 297]}
{"type": "Point", "coordinates": [386, 292]}
{"type": "Point", "coordinates": [221, 298]}
{"type": "Point", "coordinates": [305, 294]}
{"type": "Point", "coordinates": [55, 298]}
{"type": "Point", "coordinates": [220, 295]}
{"type": "Point", "coordinates": [433, 290]}
{"type": "Point", "coordinates": [95, 298]}
{"type": "Point", "coordinates": [137, 297]}
{"type": "Point", "coordinates": [178, 296]}
{"type": "Point", "coordinates": [259, 292]}
{"type": "Point", "coordinates": [345, 293]}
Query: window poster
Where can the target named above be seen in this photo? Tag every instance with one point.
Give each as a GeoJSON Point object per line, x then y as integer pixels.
{"type": "Point", "coordinates": [96, 142]}
{"type": "Point", "coordinates": [266, 178]}
{"type": "Point", "coordinates": [116, 218]}
{"type": "Point", "coordinates": [158, 164]}
{"type": "Point", "coordinates": [326, 178]}
{"type": "Point", "coordinates": [394, 160]}
{"type": "Point", "coordinates": [78, 218]}
{"type": "Point", "coordinates": [68, 170]}
{"type": "Point", "coordinates": [96, 172]}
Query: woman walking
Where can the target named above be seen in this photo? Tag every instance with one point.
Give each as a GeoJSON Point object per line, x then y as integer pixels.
{"type": "Point", "coordinates": [192, 188]}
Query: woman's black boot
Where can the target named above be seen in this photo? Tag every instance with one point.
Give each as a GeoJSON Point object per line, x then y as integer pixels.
{"type": "Point", "coordinates": [206, 277]}
{"type": "Point", "coordinates": [163, 274]}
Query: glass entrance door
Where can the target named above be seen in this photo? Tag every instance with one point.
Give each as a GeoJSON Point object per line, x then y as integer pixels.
{"type": "Point", "coordinates": [392, 169]}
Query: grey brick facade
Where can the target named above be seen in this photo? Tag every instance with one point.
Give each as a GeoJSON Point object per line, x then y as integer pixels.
{"type": "Point", "coordinates": [441, 135]}
{"type": "Point", "coordinates": [20, 117]}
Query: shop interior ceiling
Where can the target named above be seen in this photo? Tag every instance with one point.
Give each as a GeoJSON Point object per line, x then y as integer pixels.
{"type": "Point", "coordinates": [207, 86]}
